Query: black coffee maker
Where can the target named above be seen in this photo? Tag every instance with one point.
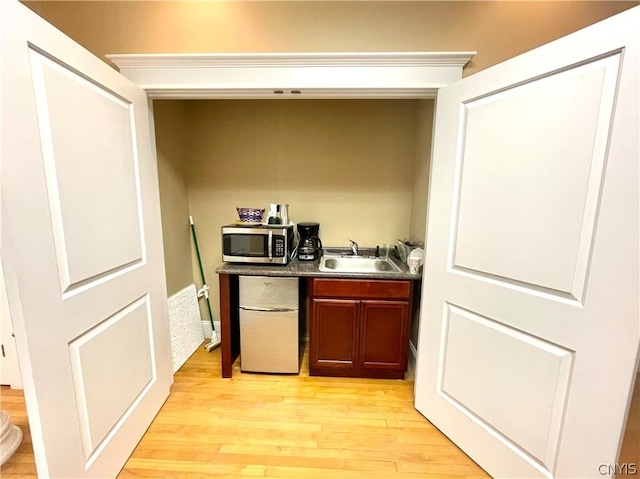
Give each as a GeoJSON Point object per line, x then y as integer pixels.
{"type": "Point", "coordinates": [310, 246]}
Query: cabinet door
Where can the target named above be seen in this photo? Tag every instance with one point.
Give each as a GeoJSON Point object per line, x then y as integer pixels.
{"type": "Point", "coordinates": [334, 334]}
{"type": "Point", "coordinates": [384, 335]}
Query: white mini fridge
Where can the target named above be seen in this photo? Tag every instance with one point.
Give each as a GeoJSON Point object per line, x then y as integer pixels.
{"type": "Point", "coordinates": [269, 324]}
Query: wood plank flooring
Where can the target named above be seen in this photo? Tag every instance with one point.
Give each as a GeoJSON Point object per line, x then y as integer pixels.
{"type": "Point", "coordinates": [630, 451]}
{"type": "Point", "coordinates": [278, 426]}
{"type": "Point", "coordinates": [292, 426]}
{"type": "Point", "coordinates": [22, 463]}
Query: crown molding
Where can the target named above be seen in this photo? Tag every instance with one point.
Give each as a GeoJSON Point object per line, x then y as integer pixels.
{"type": "Point", "coordinates": [274, 75]}
{"type": "Point", "coordinates": [257, 60]}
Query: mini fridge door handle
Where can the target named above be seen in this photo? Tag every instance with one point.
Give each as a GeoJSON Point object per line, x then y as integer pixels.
{"type": "Point", "coordinates": [267, 310]}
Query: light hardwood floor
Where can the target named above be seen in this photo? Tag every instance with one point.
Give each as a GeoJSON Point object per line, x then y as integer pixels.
{"type": "Point", "coordinates": [22, 463]}
{"type": "Point", "coordinates": [630, 452]}
{"type": "Point", "coordinates": [286, 426]}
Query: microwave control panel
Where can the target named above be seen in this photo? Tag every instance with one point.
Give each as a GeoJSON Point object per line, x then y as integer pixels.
{"type": "Point", "coordinates": [279, 246]}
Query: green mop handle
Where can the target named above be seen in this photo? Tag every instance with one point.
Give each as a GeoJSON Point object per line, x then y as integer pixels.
{"type": "Point", "coordinates": [204, 283]}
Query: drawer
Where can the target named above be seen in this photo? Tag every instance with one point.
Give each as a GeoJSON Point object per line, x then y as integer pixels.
{"type": "Point", "coordinates": [360, 289]}
{"type": "Point", "coordinates": [268, 292]}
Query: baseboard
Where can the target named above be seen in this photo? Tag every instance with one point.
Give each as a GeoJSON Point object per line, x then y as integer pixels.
{"type": "Point", "coordinates": [413, 355]}
{"type": "Point", "coordinates": [206, 328]}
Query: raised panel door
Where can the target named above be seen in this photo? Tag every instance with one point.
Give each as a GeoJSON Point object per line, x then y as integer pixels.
{"type": "Point", "coordinates": [529, 320]}
{"type": "Point", "coordinates": [81, 249]}
{"type": "Point", "coordinates": [334, 334]}
{"type": "Point", "coordinates": [383, 334]}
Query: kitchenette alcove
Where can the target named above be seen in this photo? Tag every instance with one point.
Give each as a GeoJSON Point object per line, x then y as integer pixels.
{"type": "Point", "coordinates": [341, 89]}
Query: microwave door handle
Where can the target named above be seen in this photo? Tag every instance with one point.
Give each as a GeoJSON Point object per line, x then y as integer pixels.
{"type": "Point", "coordinates": [270, 245]}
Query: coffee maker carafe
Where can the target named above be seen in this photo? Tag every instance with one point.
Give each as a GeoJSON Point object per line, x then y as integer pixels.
{"type": "Point", "coordinates": [310, 246]}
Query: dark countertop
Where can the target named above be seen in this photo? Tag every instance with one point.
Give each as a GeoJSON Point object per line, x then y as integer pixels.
{"type": "Point", "coordinates": [311, 268]}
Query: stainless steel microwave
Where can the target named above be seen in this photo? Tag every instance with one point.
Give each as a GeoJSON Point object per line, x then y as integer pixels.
{"type": "Point", "coordinates": [257, 243]}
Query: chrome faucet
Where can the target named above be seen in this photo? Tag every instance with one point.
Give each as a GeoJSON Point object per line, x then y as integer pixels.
{"type": "Point", "coordinates": [354, 247]}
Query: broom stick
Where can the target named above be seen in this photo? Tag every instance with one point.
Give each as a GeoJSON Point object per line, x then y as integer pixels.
{"type": "Point", "coordinates": [215, 339]}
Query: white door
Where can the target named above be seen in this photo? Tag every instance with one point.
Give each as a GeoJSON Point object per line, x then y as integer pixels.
{"type": "Point", "coordinates": [81, 249]}
{"type": "Point", "coordinates": [529, 330]}
{"type": "Point", "coordinates": [9, 368]}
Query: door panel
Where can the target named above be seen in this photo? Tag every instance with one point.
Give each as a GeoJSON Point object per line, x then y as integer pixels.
{"type": "Point", "coordinates": [88, 234]}
{"type": "Point", "coordinates": [81, 249]}
{"type": "Point", "coordinates": [508, 210]}
{"type": "Point", "coordinates": [481, 374]}
{"type": "Point", "coordinates": [529, 324]}
{"type": "Point", "coordinates": [125, 340]}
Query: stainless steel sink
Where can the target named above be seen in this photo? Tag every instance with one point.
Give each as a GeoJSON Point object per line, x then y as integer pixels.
{"type": "Point", "coordinates": [357, 264]}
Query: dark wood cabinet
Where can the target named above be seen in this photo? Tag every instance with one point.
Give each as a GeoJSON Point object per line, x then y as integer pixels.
{"type": "Point", "coordinates": [383, 335]}
{"type": "Point", "coordinates": [334, 342]}
{"type": "Point", "coordinates": [359, 328]}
